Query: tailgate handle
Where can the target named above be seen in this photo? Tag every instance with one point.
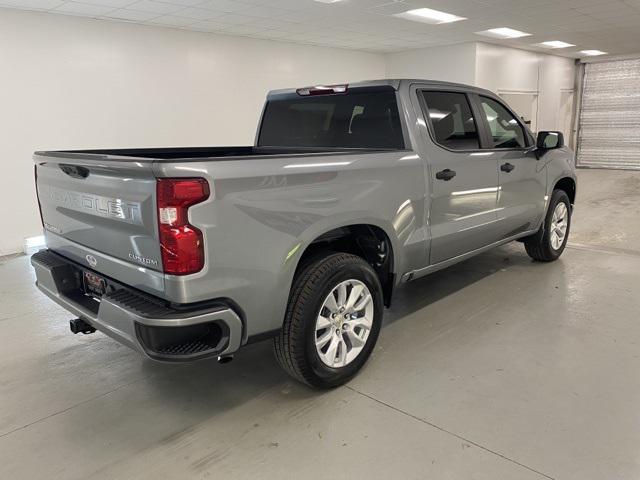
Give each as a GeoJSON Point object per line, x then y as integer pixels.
{"type": "Point", "coordinates": [74, 170]}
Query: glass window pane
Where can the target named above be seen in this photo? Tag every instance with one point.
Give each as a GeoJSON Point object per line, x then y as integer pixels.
{"type": "Point", "coordinates": [352, 120]}
{"type": "Point", "coordinates": [452, 121]}
{"type": "Point", "coordinates": [505, 129]}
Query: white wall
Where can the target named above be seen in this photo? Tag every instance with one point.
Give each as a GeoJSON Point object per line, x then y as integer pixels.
{"type": "Point", "coordinates": [508, 69]}
{"type": "Point", "coordinates": [77, 83]}
{"type": "Point", "coordinates": [451, 63]}
{"type": "Point", "coordinates": [496, 68]}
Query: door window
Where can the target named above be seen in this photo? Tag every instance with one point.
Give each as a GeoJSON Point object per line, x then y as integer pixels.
{"type": "Point", "coordinates": [451, 120]}
{"type": "Point", "coordinates": [505, 129]}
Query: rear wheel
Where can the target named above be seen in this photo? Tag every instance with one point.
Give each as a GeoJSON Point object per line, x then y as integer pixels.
{"type": "Point", "coordinates": [332, 321]}
{"type": "Point", "coordinates": [549, 242]}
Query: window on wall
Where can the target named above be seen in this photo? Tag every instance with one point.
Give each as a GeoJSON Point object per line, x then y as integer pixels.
{"type": "Point", "coordinates": [451, 120]}
{"type": "Point", "coordinates": [505, 128]}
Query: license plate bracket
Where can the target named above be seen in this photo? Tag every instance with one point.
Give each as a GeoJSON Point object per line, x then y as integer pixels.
{"type": "Point", "coordinates": [94, 285]}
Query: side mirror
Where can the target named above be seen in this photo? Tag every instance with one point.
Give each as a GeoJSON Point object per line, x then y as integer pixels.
{"type": "Point", "coordinates": [549, 140]}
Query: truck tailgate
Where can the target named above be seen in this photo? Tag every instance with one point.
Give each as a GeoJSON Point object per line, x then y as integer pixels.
{"type": "Point", "coordinates": [97, 208]}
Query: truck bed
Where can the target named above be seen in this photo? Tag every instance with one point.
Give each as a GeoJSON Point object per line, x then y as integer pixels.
{"type": "Point", "coordinates": [186, 153]}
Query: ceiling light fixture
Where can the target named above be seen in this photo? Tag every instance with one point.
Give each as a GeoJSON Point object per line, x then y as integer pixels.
{"type": "Point", "coordinates": [556, 44]}
{"type": "Point", "coordinates": [503, 32]}
{"type": "Point", "coordinates": [328, 1]}
{"type": "Point", "coordinates": [427, 15]}
{"type": "Point", "coordinates": [592, 53]}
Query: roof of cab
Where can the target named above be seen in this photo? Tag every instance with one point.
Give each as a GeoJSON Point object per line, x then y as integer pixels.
{"type": "Point", "coordinates": [395, 83]}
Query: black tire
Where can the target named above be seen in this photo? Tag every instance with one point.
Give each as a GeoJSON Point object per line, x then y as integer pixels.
{"type": "Point", "coordinates": [539, 246]}
{"type": "Point", "coordinates": [295, 347]}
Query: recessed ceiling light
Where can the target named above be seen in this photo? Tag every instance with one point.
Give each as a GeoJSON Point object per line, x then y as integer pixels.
{"type": "Point", "coordinates": [592, 53]}
{"type": "Point", "coordinates": [503, 32]}
{"type": "Point", "coordinates": [556, 44]}
{"type": "Point", "coordinates": [427, 15]}
{"type": "Point", "coordinates": [328, 1]}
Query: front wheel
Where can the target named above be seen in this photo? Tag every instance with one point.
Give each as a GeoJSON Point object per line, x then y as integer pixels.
{"type": "Point", "coordinates": [549, 242]}
{"type": "Point", "coordinates": [332, 321]}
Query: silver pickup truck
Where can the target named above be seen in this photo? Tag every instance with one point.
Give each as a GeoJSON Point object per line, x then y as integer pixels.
{"type": "Point", "coordinates": [348, 192]}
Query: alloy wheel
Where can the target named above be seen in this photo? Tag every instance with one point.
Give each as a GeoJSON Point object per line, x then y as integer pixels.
{"type": "Point", "coordinates": [344, 323]}
{"type": "Point", "coordinates": [559, 225]}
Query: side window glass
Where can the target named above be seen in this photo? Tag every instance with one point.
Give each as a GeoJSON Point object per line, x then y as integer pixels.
{"type": "Point", "coordinates": [505, 129]}
{"type": "Point", "coordinates": [452, 121]}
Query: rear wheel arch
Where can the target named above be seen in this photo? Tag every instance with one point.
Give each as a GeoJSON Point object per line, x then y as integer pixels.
{"type": "Point", "coordinates": [368, 241]}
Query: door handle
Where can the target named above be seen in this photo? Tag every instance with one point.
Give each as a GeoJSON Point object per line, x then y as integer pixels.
{"type": "Point", "coordinates": [507, 167]}
{"type": "Point", "coordinates": [445, 175]}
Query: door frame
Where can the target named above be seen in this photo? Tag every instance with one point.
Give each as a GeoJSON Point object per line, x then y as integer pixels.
{"type": "Point", "coordinates": [485, 141]}
{"type": "Point", "coordinates": [422, 104]}
{"type": "Point", "coordinates": [486, 128]}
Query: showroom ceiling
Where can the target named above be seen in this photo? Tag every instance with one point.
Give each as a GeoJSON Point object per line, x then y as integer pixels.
{"type": "Point", "coordinates": [612, 26]}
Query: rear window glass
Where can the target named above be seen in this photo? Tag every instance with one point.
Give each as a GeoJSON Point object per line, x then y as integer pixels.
{"type": "Point", "coordinates": [354, 120]}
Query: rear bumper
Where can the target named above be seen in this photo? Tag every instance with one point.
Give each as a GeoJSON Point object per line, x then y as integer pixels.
{"type": "Point", "coordinates": [156, 329]}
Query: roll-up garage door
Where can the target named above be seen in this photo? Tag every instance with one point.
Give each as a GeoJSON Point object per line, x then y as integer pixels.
{"type": "Point", "coordinates": [609, 134]}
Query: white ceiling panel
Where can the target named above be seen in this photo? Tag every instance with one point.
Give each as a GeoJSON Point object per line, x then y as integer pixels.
{"type": "Point", "coordinates": [160, 8]}
{"type": "Point", "coordinates": [82, 9]}
{"type": "Point", "coordinates": [200, 14]}
{"type": "Point", "coordinates": [185, 3]}
{"type": "Point", "coordinates": [172, 21]}
{"type": "Point", "coordinates": [228, 6]}
{"type": "Point", "coordinates": [609, 25]}
{"type": "Point", "coordinates": [209, 26]}
{"type": "Point", "coordinates": [107, 3]}
{"type": "Point", "coordinates": [131, 15]}
{"type": "Point", "coordinates": [32, 4]}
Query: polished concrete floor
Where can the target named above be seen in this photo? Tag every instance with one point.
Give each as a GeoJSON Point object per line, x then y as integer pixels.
{"type": "Point", "coordinates": [497, 368]}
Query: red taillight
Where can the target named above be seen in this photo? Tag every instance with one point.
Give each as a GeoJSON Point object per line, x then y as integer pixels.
{"type": "Point", "coordinates": [181, 244]}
